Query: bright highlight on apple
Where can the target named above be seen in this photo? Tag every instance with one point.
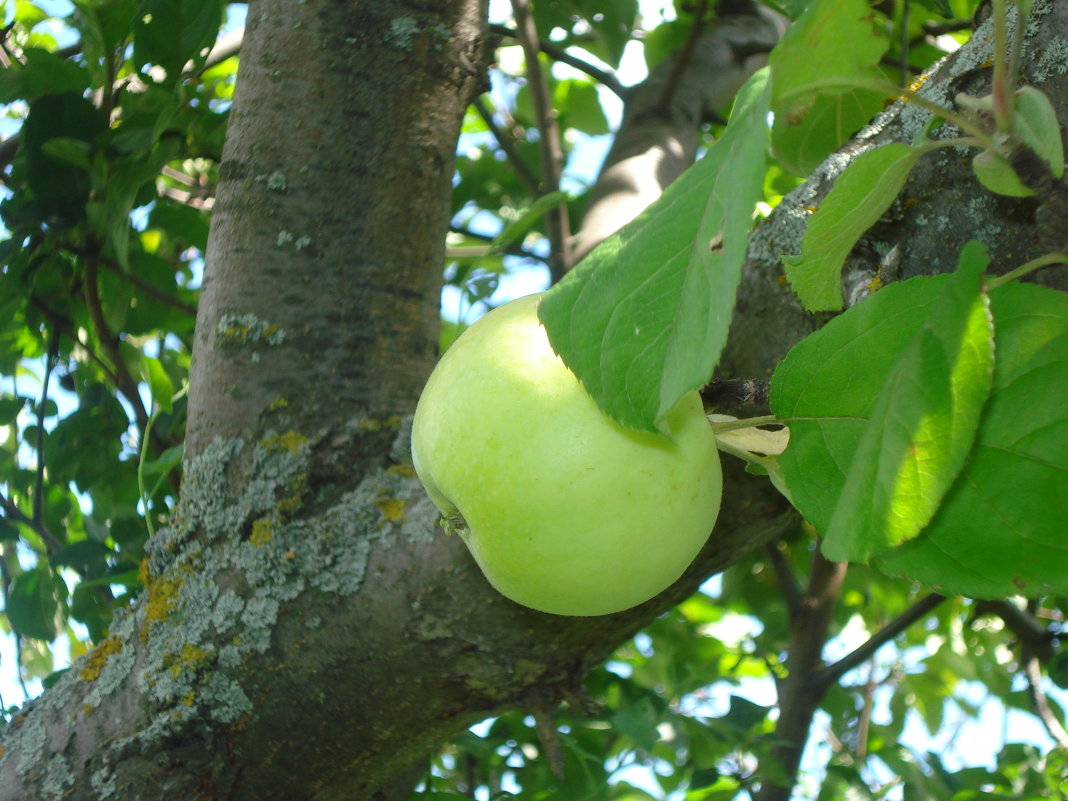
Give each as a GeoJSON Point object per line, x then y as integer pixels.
{"type": "Point", "coordinates": [564, 510]}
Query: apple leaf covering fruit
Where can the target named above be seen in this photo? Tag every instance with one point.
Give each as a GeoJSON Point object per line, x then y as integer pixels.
{"type": "Point", "coordinates": [564, 510]}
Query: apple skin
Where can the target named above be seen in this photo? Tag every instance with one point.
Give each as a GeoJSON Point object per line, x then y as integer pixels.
{"type": "Point", "coordinates": [563, 509]}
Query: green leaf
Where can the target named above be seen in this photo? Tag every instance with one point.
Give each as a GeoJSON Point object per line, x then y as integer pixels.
{"type": "Point", "coordinates": [10, 408]}
{"type": "Point", "coordinates": [922, 425]}
{"type": "Point", "coordinates": [159, 383]}
{"type": "Point", "coordinates": [44, 73]}
{"type": "Point", "coordinates": [69, 150]}
{"type": "Point", "coordinates": [60, 188]}
{"type": "Point", "coordinates": [8, 531]}
{"type": "Point", "coordinates": [643, 318]}
{"type": "Point", "coordinates": [1035, 122]}
{"type": "Point", "coordinates": [169, 34]}
{"type": "Point", "coordinates": [823, 28]}
{"type": "Point", "coordinates": [856, 201]}
{"type": "Point", "coordinates": [801, 146]}
{"type": "Point", "coordinates": [32, 604]}
{"type": "Point", "coordinates": [997, 175]}
{"type": "Point", "coordinates": [1000, 530]}
{"type": "Point", "coordinates": [579, 107]}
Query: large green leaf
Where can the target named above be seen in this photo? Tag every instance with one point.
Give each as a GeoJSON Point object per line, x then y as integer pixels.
{"type": "Point", "coordinates": [812, 116]}
{"type": "Point", "coordinates": [856, 201]}
{"type": "Point", "coordinates": [643, 319]}
{"type": "Point", "coordinates": [169, 34]}
{"type": "Point", "coordinates": [922, 425]}
{"type": "Point", "coordinates": [59, 187]}
{"type": "Point", "coordinates": [999, 527]}
{"type": "Point", "coordinates": [32, 604]}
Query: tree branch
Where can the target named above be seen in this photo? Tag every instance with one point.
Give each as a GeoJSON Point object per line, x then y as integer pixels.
{"type": "Point", "coordinates": [39, 527]}
{"type": "Point", "coordinates": [137, 281]}
{"type": "Point", "coordinates": [664, 105]}
{"type": "Point", "coordinates": [832, 673]}
{"type": "Point", "coordinates": [1032, 670]}
{"type": "Point", "coordinates": [801, 692]}
{"type": "Point", "coordinates": [124, 382]}
{"type": "Point", "coordinates": [1035, 639]}
{"type": "Point", "coordinates": [606, 79]}
{"type": "Point", "coordinates": [508, 146]}
{"type": "Point", "coordinates": [789, 586]}
{"type": "Point", "coordinates": [551, 154]}
{"type": "Point", "coordinates": [38, 487]}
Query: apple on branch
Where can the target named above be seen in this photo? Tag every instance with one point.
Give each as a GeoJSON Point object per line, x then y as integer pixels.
{"type": "Point", "coordinates": [565, 510]}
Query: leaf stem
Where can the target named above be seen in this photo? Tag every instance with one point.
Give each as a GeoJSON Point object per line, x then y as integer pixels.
{"type": "Point", "coordinates": [746, 422]}
{"type": "Point", "coordinates": [1058, 257]}
{"type": "Point", "coordinates": [1002, 87]}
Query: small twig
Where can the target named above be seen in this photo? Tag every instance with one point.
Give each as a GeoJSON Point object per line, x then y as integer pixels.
{"type": "Point", "coordinates": [1035, 639]}
{"type": "Point", "coordinates": [110, 343]}
{"type": "Point", "coordinates": [38, 487]}
{"type": "Point", "coordinates": [606, 79]}
{"type": "Point", "coordinates": [40, 528]}
{"type": "Point", "coordinates": [549, 150]}
{"type": "Point", "coordinates": [664, 106]}
{"type": "Point", "coordinates": [789, 586]}
{"type": "Point", "coordinates": [906, 76]}
{"type": "Point", "coordinates": [1032, 670]}
{"type": "Point", "coordinates": [548, 736]}
{"type": "Point", "coordinates": [832, 673]}
{"type": "Point", "coordinates": [864, 719]}
{"type": "Point", "coordinates": [511, 250]}
{"type": "Point", "coordinates": [508, 146]}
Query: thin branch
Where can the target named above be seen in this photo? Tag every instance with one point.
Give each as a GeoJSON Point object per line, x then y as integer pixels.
{"type": "Point", "coordinates": [664, 106]}
{"type": "Point", "coordinates": [40, 528]}
{"type": "Point", "coordinates": [607, 79]}
{"type": "Point", "coordinates": [549, 150]}
{"type": "Point", "coordinates": [789, 586]}
{"type": "Point", "coordinates": [832, 673]}
{"type": "Point", "coordinates": [1032, 670]}
{"type": "Point", "coordinates": [124, 382]}
{"type": "Point", "coordinates": [139, 282]}
{"type": "Point", "coordinates": [38, 488]}
{"type": "Point", "coordinates": [511, 250]}
{"type": "Point", "coordinates": [1035, 639]}
{"type": "Point", "coordinates": [801, 692]}
{"type": "Point", "coordinates": [507, 144]}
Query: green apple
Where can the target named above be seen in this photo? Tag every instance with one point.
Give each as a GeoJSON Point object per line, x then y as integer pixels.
{"type": "Point", "coordinates": [565, 510]}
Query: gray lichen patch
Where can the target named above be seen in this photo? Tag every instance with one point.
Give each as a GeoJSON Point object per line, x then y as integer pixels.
{"type": "Point", "coordinates": [402, 32]}
{"type": "Point", "coordinates": [245, 328]}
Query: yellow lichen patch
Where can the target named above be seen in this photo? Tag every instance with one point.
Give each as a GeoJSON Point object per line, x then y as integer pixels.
{"type": "Point", "coordinates": [290, 441]}
{"type": "Point", "coordinates": [191, 657]}
{"type": "Point", "coordinates": [392, 508]}
{"type": "Point", "coordinates": [98, 657]}
{"type": "Point", "coordinates": [404, 470]}
{"type": "Point", "coordinates": [373, 424]}
{"type": "Point", "coordinates": [875, 283]}
{"type": "Point", "coordinates": [261, 532]}
{"type": "Point", "coordinates": [188, 698]}
{"type": "Point", "coordinates": [161, 594]}
{"type": "Point", "coordinates": [276, 404]}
